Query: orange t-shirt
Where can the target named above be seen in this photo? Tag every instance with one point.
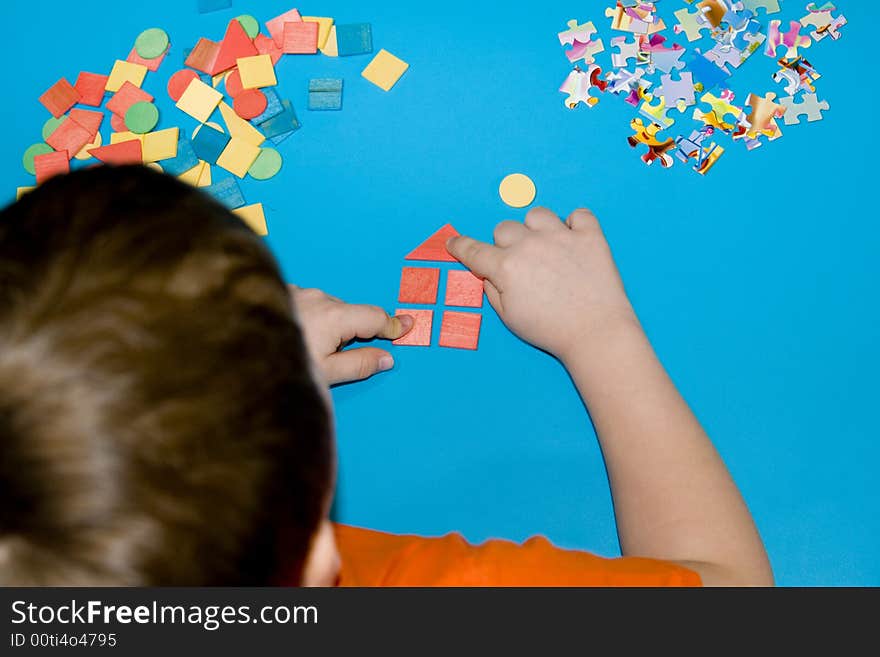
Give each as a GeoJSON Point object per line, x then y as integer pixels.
{"type": "Point", "coordinates": [371, 558]}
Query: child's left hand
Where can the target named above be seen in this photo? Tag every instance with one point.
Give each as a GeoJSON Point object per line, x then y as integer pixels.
{"type": "Point", "coordinates": [329, 324]}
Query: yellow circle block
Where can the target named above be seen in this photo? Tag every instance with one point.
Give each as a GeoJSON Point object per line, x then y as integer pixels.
{"type": "Point", "coordinates": [517, 190]}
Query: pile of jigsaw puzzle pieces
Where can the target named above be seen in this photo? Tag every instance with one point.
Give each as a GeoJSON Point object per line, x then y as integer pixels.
{"type": "Point", "coordinates": [699, 78]}
{"type": "Point", "coordinates": [242, 64]}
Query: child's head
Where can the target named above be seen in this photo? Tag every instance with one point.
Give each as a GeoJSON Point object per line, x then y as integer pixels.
{"type": "Point", "coordinates": [159, 423]}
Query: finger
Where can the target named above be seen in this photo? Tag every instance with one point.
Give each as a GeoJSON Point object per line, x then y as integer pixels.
{"type": "Point", "coordinates": [542, 219]}
{"type": "Point", "coordinates": [356, 364]}
{"type": "Point", "coordinates": [494, 297]}
{"type": "Point", "coordinates": [581, 219]}
{"type": "Point", "coordinates": [509, 232]}
{"type": "Point", "coordinates": [367, 322]}
{"type": "Point", "coordinates": [481, 258]}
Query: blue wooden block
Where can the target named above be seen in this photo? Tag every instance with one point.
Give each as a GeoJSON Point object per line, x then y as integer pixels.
{"type": "Point", "coordinates": [273, 107]}
{"type": "Point", "coordinates": [207, 6]}
{"type": "Point", "coordinates": [227, 192]}
{"type": "Point", "coordinates": [185, 159]}
{"type": "Point", "coordinates": [354, 39]}
{"type": "Point", "coordinates": [325, 100]}
{"type": "Point", "coordinates": [209, 143]}
{"type": "Point", "coordinates": [284, 123]}
{"type": "Point", "coordinates": [325, 84]}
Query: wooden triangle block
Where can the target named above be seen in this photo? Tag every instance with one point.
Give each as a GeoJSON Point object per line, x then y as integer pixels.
{"type": "Point", "coordinates": [124, 152]}
{"type": "Point", "coordinates": [235, 44]}
{"type": "Point", "coordinates": [88, 119]}
{"type": "Point", "coordinates": [434, 248]}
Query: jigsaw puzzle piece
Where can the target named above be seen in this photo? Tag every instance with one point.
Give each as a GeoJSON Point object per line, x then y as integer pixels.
{"type": "Point", "coordinates": [810, 107]}
{"type": "Point", "coordinates": [770, 6]}
{"type": "Point", "coordinates": [631, 85]}
{"type": "Point", "coordinates": [584, 51]}
{"type": "Point", "coordinates": [691, 24]}
{"type": "Point", "coordinates": [658, 149]}
{"type": "Point", "coordinates": [706, 72]}
{"type": "Point", "coordinates": [578, 85]}
{"type": "Point", "coordinates": [720, 107]}
{"type": "Point", "coordinates": [638, 19]}
{"type": "Point", "coordinates": [678, 93]}
{"type": "Point", "coordinates": [797, 74]}
{"type": "Point", "coordinates": [791, 39]}
{"type": "Point", "coordinates": [823, 23]}
{"type": "Point", "coordinates": [697, 147]}
{"type": "Point", "coordinates": [760, 121]}
{"type": "Point", "coordinates": [658, 113]}
{"type": "Point", "coordinates": [626, 50]}
{"type": "Point", "coordinates": [583, 33]}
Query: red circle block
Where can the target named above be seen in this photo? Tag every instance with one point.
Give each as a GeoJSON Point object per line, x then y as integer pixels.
{"type": "Point", "coordinates": [179, 82]}
{"type": "Point", "coordinates": [250, 103]}
{"type": "Point", "coordinates": [233, 84]}
{"type": "Point", "coordinates": [118, 123]}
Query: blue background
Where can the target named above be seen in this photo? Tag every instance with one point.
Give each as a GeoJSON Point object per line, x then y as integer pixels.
{"type": "Point", "coordinates": [756, 284]}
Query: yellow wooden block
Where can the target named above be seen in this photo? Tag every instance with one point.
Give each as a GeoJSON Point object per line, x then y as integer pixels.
{"type": "Point", "coordinates": [118, 137]}
{"type": "Point", "coordinates": [256, 71]}
{"type": "Point", "coordinates": [330, 47]}
{"type": "Point", "coordinates": [125, 72]}
{"type": "Point", "coordinates": [324, 25]}
{"type": "Point", "coordinates": [199, 100]}
{"type": "Point", "coordinates": [205, 175]}
{"type": "Point", "coordinates": [240, 128]}
{"type": "Point", "coordinates": [254, 217]}
{"type": "Point", "coordinates": [385, 70]}
{"type": "Point", "coordinates": [220, 77]}
{"type": "Point", "coordinates": [160, 145]}
{"type": "Point", "coordinates": [238, 156]}
{"type": "Point", "coordinates": [191, 176]}
{"type": "Point", "coordinates": [21, 191]}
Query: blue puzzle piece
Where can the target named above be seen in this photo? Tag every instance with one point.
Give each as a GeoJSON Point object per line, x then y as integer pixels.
{"type": "Point", "coordinates": [706, 71]}
{"type": "Point", "coordinates": [354, 39]}
{"type": "Point", "coordinates": [285, 123]}
{"type": "Point", "coordinates": [209, 143]}
{"type": "Point", "coordinates": [185, 159]}
{"type": "Point", "coordinates": [227, 192]}
{"type": "Point", "coordinates": [273, 107]}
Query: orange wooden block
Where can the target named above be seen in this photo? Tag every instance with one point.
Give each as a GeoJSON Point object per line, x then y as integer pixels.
{"type": "Point", "coordinates": [267, 46]}
{"type": "Point", "coordinates": [300, 38]}
{"type": "Point", "coordinates": [420, 334]}
{"type": "Point", "coordinates": [463, 289]}
{"type": "Point", "coordinates": [276, 25]}
{"type": "Point", "coordinates": [69, 138]}
{"type": "Point", "coordinates": [88, 119]}
{"type": "Point", "coordinates": [250, 103]}
{"type": "Point", "coordinates": [151, 64]}
{"type": "Point", "coordinates": [419, 285]}
{"type": "Point", "coordinates": [90, 87]}
{"type": "Point", "coordinates": [60, 97]}
{"type": "Point", "coordinates": [203, 56]}
{"type": "Point", "coordinates": [127, 96]}
{"type": "Point", "coordinates": [236, 43]}
{"type": "Point", "coordinates": [51, 164]}
{"type": "Point", "coordinates": [178, 83]}
{"type": "Point", "coordinates": [460, 330]}
{"type": "Point", "coordinates": [124, 152]}
{"type": "Point", "coordinates": [434, 248]}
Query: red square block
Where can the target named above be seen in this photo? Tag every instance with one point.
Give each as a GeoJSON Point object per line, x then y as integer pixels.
{"type": "Point", "coordinates": [460, 330]}
{"type": "Point", "coordinates": [61, 96]}
{"type": "Point", "coordinates": [420, 334]}
{"type": "Point", "coordinates": [203, 56]}
{"type": "Point", "coordinates": [463, 289]}
{"type": "Point", "coordinates": [300, 38]}
{"type": "Point", "coordinates": [276, 25]}
{"type": "Point", "coordinates": [127, 96]}
{"type": "Point", "coordinates": [419, 285]}
{"type": "Point", "coordinates": [90, 87]}
{"type": "Point", "coordinates": [51, 164]}
{"type": "Point", "coordinates": [69, 138]}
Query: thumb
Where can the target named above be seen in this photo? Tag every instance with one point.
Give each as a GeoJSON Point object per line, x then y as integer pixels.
{"type": "Point", "coordinates": [481, 258]}
{"type": "Point", "coordinates": [356, 364]}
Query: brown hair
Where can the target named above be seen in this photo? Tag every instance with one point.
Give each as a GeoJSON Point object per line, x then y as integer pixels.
{"type": "Point", "coordinates": [159, 424]}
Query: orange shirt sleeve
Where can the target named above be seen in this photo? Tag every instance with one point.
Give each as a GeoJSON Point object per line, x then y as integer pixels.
{"type": "Point", "coordinates": [372, 558]}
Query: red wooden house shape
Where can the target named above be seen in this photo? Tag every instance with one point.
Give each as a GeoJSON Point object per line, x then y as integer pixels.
{"type": "Point", "coordinates": [420, 285]}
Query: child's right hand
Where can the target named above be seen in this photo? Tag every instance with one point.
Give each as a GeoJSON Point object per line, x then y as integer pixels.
{"type": "Point", "coordinates": [554, 284]}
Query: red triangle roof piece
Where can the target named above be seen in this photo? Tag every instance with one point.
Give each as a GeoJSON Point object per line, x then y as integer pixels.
{"type": "Point", "coordinates": [236, 43]}
{"type": "Point", "coordinates": [125, 152]}
{"type": "Point", "coordinates": [434, 248]}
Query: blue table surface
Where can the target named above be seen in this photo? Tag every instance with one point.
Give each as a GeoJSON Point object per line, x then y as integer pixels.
{"type": "Point", "coordinates": [756, 284]}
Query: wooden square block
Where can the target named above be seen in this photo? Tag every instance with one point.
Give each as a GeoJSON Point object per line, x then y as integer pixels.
{"type": "Point", "coordinates": [88, 119]}
{"type": "Point", "coordinates": [208, 143]}
{"type": "Point", "coordinates": [256, 72]}
{"type": "Point", "coordinates": [276, 25]}
{"type": "Point", "coordinates": [463, 289]}
{"type": "Point", "coordinates": [127, 96]}
{"type": "Point", "coordinates": [460, 330]}
{"type": "Point", "coordinates": [60, 97]}
{"type": "Point", "coordinates": [300, 38]}
{"type": "Point", "coordinates": [90, 87]}
{"type": "Point", "coordinates": [69, 138]}
{"type": "Point", "coordinates": [238, 156]}
{"type": "Point", "coordinates": [354, 39]}
{"type": "Point", "coordinates": [325, 100]}
{"type": "Point", "coordinates": [122, 71]}
{"type": "Point", "coordinates": [227, 192]}
{"type": "Point", "coordinates": [51, 164]}
{"type": "Point", "coordinates": [199, 100]}
{"type": "Point", "coordinates": [160, 145]}
{"type": "Point", "coordinates": [419, 285]}
{"type": "Point", "coordinates": [420, 334]}
{"type": "Point", "coordinates": [385, 70]}
{"type": "Point", "coordinates": [203, 56]}
{"type": "Point", "coordinates": [324, 25]}
{"type": "Point", "coordinates": [254, 217]}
